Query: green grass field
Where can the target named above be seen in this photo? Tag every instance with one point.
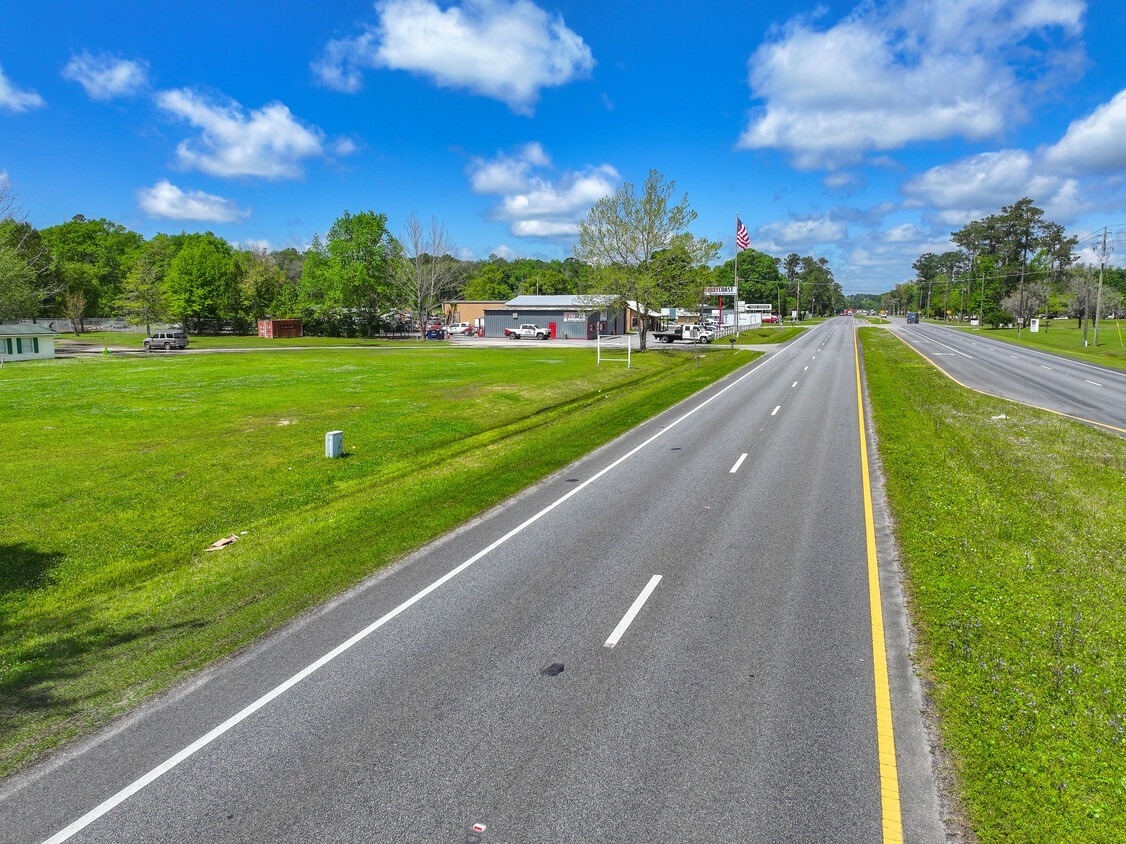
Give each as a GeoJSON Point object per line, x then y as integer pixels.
{"type": "Point", "coordinates": [765, 334]}
{"type": "Point", "coordinates": [1011, 523]}
{"type": "Point", "coordinates": [120, 471]}
{"type": "Point", "coordinates": [1066, 338]}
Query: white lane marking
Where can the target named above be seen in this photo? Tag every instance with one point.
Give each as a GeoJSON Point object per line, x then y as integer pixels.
{"type": "Point", "coordinates": [951, 348]}
{"type": "Point", "coordinates": [806, 369]}
{"type": "Point", "coordinates": [1044, 367]}
{"type": "Point", "coordinates": [160, 770]}
{"type": "Point", "coordinates": [793, 385]}
{"type": "Point", "coordinates": [738, 463]}
{"type": "Point", "coordinates": [1096, 383]}
{"type": "Point", "coordinates": [632, 612]}
{"type": "Point", "coordinates": [775, 410]}
{"type": "Point", "coordinates": [814, 357]}
{"type": "Point", "coordinates": [1014, 357]}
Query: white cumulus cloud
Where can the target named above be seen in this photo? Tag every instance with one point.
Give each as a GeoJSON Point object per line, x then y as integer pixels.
{"type": "Point", "coordinates": [896, 73]}
{"type": "Point", "coordinates": [533, 204]}
{"type": "Point", "coordinates": [803, 232]}
{"type": "Point", "coordinates": [105, 77]}
{"type": "Point", "coordinates": [14, 99]}
{"type": "Point", "coordinates": [268, 142]}
{"type": "Point", "coordinates": [1094, 143]}
{"type": "Point", "coordinates": [167, 201]}
{"type": "Point", "coordinates": [508, 51]}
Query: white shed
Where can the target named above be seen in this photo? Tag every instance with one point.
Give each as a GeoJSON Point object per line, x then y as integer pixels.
{"type": "Point", "coordinates": [26, 342]}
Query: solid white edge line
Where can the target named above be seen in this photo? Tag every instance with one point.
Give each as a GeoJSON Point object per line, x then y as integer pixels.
{"type": "Point", "coordinates": [632, 612]}
{"type": "Point", "coordinates": [160, 770]}
{"type": "Point", "coordinates": [738, 463]}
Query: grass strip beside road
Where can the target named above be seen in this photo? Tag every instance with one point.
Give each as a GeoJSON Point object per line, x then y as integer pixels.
{"type": "Point", "coordinates": [120, 471]}
{"type": "Point", "coordinates": [1011, 524]}
{"type": "Point", "coordinates": [765, 334]}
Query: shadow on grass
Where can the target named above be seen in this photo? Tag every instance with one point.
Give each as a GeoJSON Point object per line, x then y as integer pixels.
{"type": "Point", "coordinates": [24, 567]}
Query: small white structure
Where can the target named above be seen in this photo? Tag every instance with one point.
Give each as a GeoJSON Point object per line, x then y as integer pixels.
{"type": "Point", "coordinates": [26, 342]}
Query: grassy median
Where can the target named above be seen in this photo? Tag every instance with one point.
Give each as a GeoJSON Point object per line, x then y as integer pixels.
{"type": "Point", "coordinates": [119, 472]}
{"type": "Point", "coordinates": [1012, 528]}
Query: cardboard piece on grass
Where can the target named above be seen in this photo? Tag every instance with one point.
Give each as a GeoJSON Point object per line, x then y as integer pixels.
{"type": "Point", "coordinates": [223, 543]}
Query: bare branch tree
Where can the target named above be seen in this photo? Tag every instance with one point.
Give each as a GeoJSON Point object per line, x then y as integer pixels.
{"type": "Point", "coordinates": [429, 271]}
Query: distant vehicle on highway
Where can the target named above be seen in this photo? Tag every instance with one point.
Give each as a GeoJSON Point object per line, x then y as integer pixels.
{"type": "Point", "coordinates": [912, 318]}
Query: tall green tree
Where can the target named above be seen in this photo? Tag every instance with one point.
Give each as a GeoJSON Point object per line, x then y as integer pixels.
{"type": "Point", "coordinates": [491, 282]}
{"type": "Point", "coordinates": [103, 249]}
{"type": "Point", "coordinates": [26, 281]}
{"type": "Point", "coordinates": [622, 232]}
{"type": "Point", "coordinates": [759, 276]}
{"type": "Point", "coordinates": [202, 281]}
{"type": "Point", "coordinates": [349, 279]}
{"type": "Point", "coordinates": [142, 300]}
{"type": "Point", "coordinates": [19, 295]}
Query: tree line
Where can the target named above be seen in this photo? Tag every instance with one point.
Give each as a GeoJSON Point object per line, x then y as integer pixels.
{"type": "Point", "coordinates": [359, 276]}
{"type": "Point", "coordinates": [1009, 267]}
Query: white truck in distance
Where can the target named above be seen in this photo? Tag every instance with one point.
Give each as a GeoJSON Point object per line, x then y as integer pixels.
{"type": "Point", "coordinates": [527, 331]}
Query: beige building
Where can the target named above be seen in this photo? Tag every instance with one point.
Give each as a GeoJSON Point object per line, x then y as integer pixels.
{"type": "Point", "coordinates": [472, 311]}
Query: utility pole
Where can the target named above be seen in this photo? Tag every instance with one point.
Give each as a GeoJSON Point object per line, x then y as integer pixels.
{"type": "Point", "coordinates": [1103, 254]}
{"type": "Point", "coordinates": [981, 304]}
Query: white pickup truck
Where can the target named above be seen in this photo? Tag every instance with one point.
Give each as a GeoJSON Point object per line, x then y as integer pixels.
{"type": "Point", "coordinates": [527, 331]}
{"type": "Point", "coordinates": [692, 333]}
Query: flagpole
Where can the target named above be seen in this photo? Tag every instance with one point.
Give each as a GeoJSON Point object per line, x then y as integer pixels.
{"type": "Point", "coordinates": [733, 298]}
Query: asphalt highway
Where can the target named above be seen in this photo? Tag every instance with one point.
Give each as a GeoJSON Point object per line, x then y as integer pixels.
{"type": "Point", "coordinates": [1085, 391]}
{"type": "Point", "coordinates": [669, 641]}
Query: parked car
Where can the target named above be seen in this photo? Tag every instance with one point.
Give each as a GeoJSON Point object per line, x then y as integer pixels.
{"type": "Point", "coordinates": [527, 331]}
{"type": "Point", "coordinates": [436, 332]}
{"type": "Point", "coordinates": [771, 318]}
{"type": "Point", "coordinates": [171, 339]}
{"type": "Point", "coordinates": [692, 333]}
{"type": "Point", "coordinates": [462, 328]}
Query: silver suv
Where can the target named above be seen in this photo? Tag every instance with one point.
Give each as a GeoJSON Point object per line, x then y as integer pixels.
{"type": "Point", "coordinates": [166, 340]}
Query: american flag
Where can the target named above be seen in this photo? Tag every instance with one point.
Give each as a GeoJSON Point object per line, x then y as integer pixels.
{"type": "Point", "coordinates": [742, 239]}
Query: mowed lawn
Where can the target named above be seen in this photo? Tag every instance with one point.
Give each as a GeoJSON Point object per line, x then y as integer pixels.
{"type": "Point", "coordinates": [118, 472]}
{"type": "Point", "coordinates": [1011, 524]}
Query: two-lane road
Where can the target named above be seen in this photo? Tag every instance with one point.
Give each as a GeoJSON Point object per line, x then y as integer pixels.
{"type": "Point", "coordinates": [1081, 390]}
{"type": "Point", "coordinates": [669, 641]}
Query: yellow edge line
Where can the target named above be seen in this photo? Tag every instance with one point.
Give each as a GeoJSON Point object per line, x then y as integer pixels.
{"type": "Point", "coordinates": [923, 355]}
{"type": "Point", "coordinates": [885, 735]}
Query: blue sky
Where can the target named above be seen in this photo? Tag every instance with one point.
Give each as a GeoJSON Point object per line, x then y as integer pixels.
{"type": "Point", "coordinates": [864, 133]}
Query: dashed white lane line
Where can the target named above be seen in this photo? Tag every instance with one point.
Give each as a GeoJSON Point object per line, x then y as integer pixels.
{"type": "Point", "coordinates": [793, 385]}
{"type": "Point", "coordinates": [1096, 383]}
{"type": "Point", "coordinates": [775, 410]}
{"type": "Point", "coordinates": [632, 612]}
{"type": "Point", "coordinates": [738, 463]}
